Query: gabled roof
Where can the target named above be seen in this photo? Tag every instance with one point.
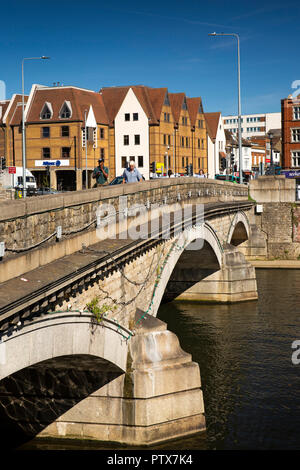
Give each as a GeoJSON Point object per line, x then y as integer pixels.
{"type": "Point", "coordinates": [194, 105]}
{"type": "Point", "coordinates": [176, 101]}
{"type": "Point", "coordinates": [148, 98]}
{"type": "Point", "coordinates": [79, 98]}
{"type": "Point", "coordinates": [13, 112]}
{"type": "Point", "coordinates": [212, 122]}
{"type": "Point", "coordinates": [157, 97]}
{"type": "Point", "coordinates": [3, 107]}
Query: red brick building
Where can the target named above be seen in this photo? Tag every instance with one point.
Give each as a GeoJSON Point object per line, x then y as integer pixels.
{"type": "Point", "coordinates": [290, 112]}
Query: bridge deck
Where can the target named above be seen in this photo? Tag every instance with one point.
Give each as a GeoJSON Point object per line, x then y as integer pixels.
{"type": "Point", "coordinates": [19, 293]}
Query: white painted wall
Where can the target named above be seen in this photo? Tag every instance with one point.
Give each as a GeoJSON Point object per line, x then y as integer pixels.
{"type": "Point", "coordinates": [210, 158]}
{"type": "Point", "coordinates": [141, 127]}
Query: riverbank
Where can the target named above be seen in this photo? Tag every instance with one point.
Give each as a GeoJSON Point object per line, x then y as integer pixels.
{"type": "Point", "coordinates": [276, 264]}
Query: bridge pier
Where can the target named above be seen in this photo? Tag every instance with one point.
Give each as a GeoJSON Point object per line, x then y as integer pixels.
{"type": "Point", "coordinates": [158, 398]}
{"type": "Point", "coordinates": [233, 281]}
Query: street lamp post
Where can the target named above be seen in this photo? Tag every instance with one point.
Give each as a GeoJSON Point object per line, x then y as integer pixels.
{"type": "Point", "coordinates": [86, 141]}
{"type": "Point", "coordinates": [23, 123]}
{"type": "Point", "coordinates": [271, 135]}
{"type": "Point", "coordinates": [239, 99]}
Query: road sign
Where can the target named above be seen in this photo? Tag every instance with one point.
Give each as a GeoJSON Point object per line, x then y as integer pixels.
{"type": "Point", "coordinates": [159, 167]}
{"type": "Point", "coordinates": [11, 170]}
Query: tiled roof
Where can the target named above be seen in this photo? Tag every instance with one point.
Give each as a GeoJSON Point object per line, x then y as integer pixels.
{"type": "Point", "coordinates": [3, 107]}
{"type": "Point", "coordinates": [157, 97]}
{"type": "Point", "coordinates": [79, 99]}
{"type": "Point", "coordinates": [176, 100]}
{"type": "Point", "coordinates": [193, 105]}
{"type": "Point", "coordinates": [14, 110]}
{"type": "Point", "coordinates": [212, 121]}
{"type": "Point", "coordinates": [151, 100]}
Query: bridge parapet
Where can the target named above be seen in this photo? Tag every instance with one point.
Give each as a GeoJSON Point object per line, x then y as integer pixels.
{"type": "Point", "coordinates": [28, 222]}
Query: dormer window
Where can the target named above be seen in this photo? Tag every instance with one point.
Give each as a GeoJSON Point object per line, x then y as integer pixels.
{"type": "Point", "coordinates": [47, 111]}
{"type": "Point", "coordinates": [184, 105]}
{"type": "Point", "coordinates": [66, 110]}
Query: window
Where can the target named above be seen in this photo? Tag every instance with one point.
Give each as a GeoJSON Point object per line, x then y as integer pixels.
{"type": "Point", "coordinates": [45, 132]}
{"type": "Point", "coordinates": [137, 139]}
{"type": "Point", "coordinates": [65, 152]}
{"type": "Point", "coordinates": [127, 117]}
{"type": "Point", "coordinates": [102, 134]}
{"type": "Point", "coordinates": [187, 142]}
{"type": "Point", "coordinates": [46, 112]}
{"type": "Point", "coordinates": [126, 139]}
{"type": "Point", "coordinates": [202, 141]}
{"type": "Point", "coordinates": [295, 135]}
{"type": "Point", "coordinates": [140, 161]}
{"type": "Point", "coordinates": [183, 120]}
{"type": "Point", "coordinates": [135, 116]}
{"type": "Point", "coordinates": [183, 162]}
{"type": "Point", "coordinates": [65, 112]}
{"type": "Point", "coordinates": [296, 111]}
{"type": "Point", "coordinates": [182, 141]}
{"type": "Point", "coordinates": [102, 152]}
{"type": "Point", "coordinates": [187, 160]}
{"type": "Point", "coordinates": [198, 162]}
{"type": "Point", "coordinates": [46, 153]}
{"type": "Point", "coordinates": [165, 139]}
{"type": "Point", "coordinates": [166, 117]}
{"type": "Point", "coordinates": [169, 140]}
{"type": "Point", "coordinates": [198, 143]}
{"type": "Point", "coordinates": [132, 158]}
{"type": "Point", "coordinates": [65, 131]}
{"type": "Point", "coordinates": [296, 158]}
{"type": "Point", "coordinates": [124, 162]}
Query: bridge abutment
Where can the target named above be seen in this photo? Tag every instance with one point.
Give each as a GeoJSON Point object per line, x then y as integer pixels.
{"type": "Point", "coordinates": [158, 399]}
{"type": "Point", "coordinates": [235, 281]}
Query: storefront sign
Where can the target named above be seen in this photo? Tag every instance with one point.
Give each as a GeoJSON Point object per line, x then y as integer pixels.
{"type": "Point", "coordinates": [291, 173]}
{"type": "Point", "coordinates": [56, 163]}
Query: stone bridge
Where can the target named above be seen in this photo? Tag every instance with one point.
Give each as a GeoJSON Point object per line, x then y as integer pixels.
{"type": "Point", "coordinates": [82, 352]}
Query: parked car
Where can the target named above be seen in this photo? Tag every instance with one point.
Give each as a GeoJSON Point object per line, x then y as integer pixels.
{"type": "Point", "coordinates": [116, 180]}
{"type": "Point", "coordinates": [43, 191]}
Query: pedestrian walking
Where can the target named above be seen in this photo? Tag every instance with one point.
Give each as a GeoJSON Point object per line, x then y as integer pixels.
{"type": "Point", "coordinates": [132, 174]}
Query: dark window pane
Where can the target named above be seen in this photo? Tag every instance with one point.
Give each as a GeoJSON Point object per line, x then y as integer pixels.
{"type": "Point", "coordinates": [140, 161]}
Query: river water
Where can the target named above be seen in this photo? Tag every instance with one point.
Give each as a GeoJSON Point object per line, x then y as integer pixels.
{"type": "Point", "coordinates": [251, 388]}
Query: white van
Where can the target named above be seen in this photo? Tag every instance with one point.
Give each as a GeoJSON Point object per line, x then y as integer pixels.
{"type": "Point", "coordinates": [15, 180]}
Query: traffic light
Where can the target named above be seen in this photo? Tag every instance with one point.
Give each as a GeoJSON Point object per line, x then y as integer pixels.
{"type": "Point", "coordinates": [223, 163]}
{"type": "Point", "coordinates": [153, 167]}
{"type": "Point", "coordinates": [3, 163]}
{"type": "Point", "coordinates": [191, 172]}
{"type": "Point", "coordinates": [232, 158]}
{"type": "Point", "coordinates": [187, 170]}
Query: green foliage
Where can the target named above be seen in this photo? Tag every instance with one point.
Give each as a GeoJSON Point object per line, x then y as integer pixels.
{"type": "Point", "coordinates": [98, 311]}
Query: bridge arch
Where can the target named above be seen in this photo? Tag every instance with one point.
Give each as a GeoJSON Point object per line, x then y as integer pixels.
{"type": "Point", "coordinates": [60, 335]}
{"type": "Point", "coordinates": [206, 258]}
{"type": "Point", "coordinates": [239, 230]}
{"type": "Point", "coordinates": [49, 366]}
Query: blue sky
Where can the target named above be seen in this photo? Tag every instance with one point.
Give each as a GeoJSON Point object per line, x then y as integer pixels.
{"type": "Point", "coordinates": [159, 43]}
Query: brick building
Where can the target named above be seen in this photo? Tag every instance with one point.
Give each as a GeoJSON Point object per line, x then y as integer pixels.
{"type": "Point", "coordinates": [290, 112]}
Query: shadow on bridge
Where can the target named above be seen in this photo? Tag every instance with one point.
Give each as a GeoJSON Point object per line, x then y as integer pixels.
{"type": "Point", "coordinates": [192, 267]}
{"type": "Point", "coordinates": [36, 396]}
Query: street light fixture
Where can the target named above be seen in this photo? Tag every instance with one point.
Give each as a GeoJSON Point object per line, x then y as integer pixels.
{"type": "Point", "coordinates": [23, 122]}
{"type": "Point", "coordinates": [235, 35]}
{"type": "Point", "coordinates": [271, 135]}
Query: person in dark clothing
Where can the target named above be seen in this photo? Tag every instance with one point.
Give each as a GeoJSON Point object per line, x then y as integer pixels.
{"type": "Point", "coordinates": [100, 173]}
